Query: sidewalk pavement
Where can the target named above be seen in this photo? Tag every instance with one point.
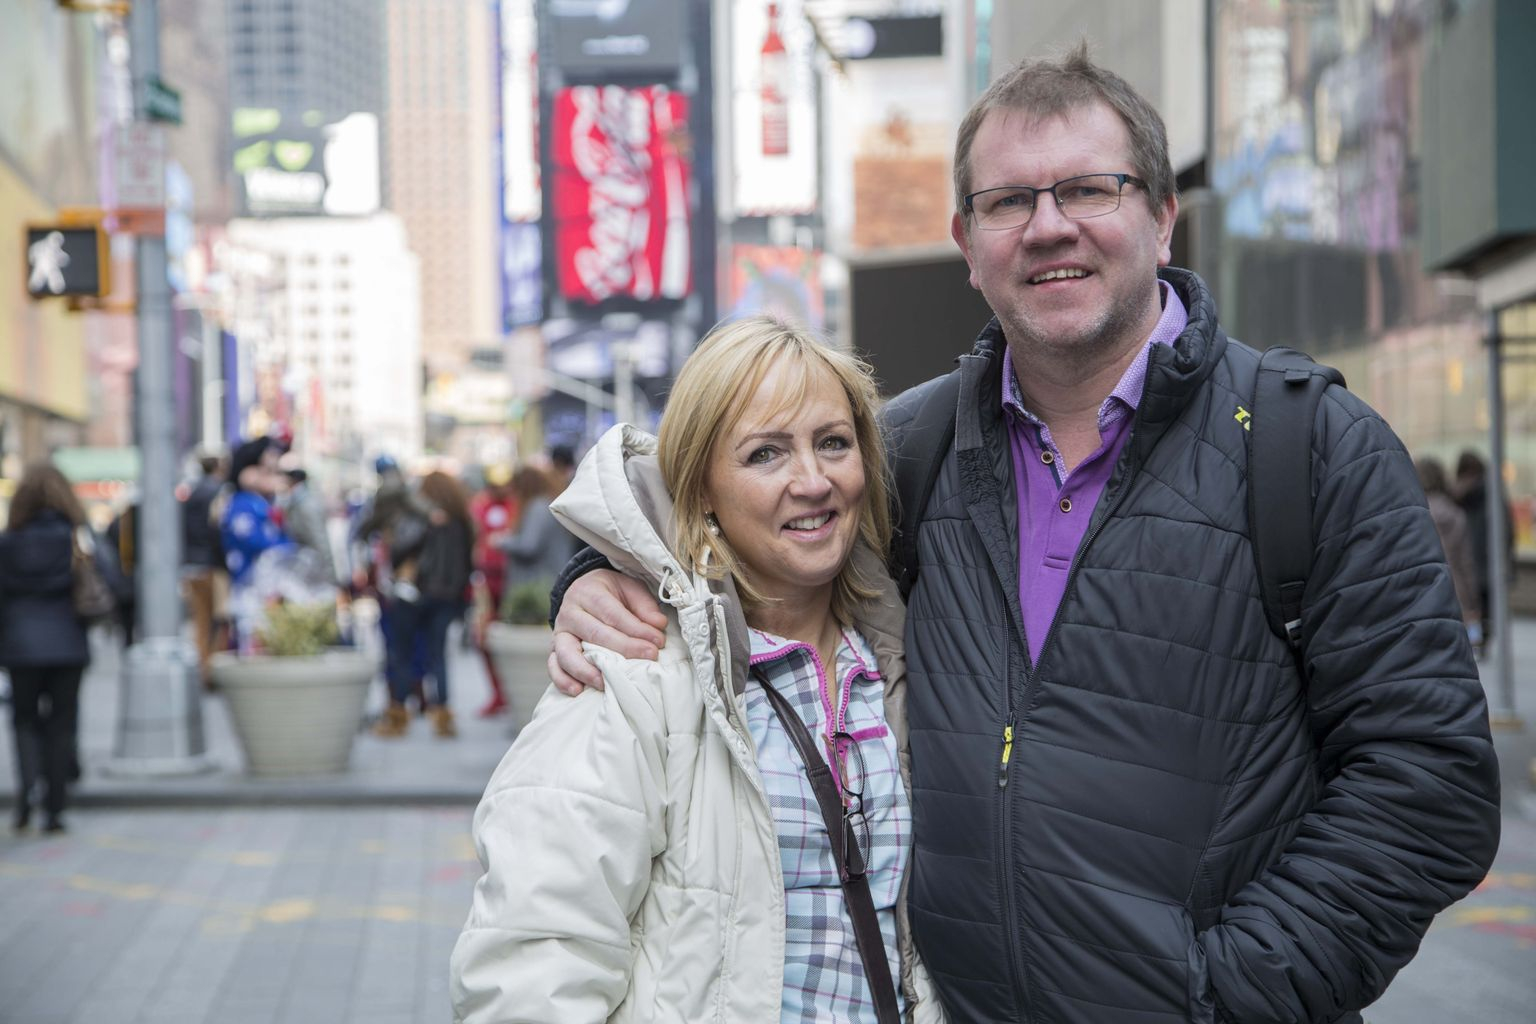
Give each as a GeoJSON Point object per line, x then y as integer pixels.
{"type": "Point", "coordinates": [417, 768]}
{"type": "Point", "coordinates": [422, 769]}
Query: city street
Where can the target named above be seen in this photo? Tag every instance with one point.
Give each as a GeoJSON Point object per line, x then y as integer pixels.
{"type": "Point", "coordinates": [207, 905]}
{"type": "Point", "coordinates": [341, 915]}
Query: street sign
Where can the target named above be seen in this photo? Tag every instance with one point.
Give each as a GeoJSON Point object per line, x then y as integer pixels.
{"type": "Point", "coordinates": [66, 259]}
{"type": "Point", "coordinates": [140, 165]}
{"type": "Point", "coordinates": [161, 102]}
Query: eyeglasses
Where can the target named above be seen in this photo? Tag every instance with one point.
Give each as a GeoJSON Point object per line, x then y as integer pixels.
{"type": "Point", "coordinates": [855, 848]}
{"type": "Point", "coordinates": [1079, 198]}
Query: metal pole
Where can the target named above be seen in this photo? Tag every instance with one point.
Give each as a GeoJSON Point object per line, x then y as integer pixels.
{"type": "Point", "coordinates": [1498, 583]}
{"type": "Point", "coordinates": [623, 382]}
{"type": "Point", "coordinates": [160, 725]}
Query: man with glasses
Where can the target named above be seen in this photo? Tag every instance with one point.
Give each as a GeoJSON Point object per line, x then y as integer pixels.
{"type": "Point", "coordinates": [1131, 801]}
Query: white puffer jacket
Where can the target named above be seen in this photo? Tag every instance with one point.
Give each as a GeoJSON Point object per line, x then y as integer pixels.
{"type": "Point", "coordinates": [632, 870]}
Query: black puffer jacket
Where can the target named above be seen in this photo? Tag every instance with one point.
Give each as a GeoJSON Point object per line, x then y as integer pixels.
{"type": "Point", "coordinates": [1187, 831]}
{"type": "Point", "coordinates": [38, 624]}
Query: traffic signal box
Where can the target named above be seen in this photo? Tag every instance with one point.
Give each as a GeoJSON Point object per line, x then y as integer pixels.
{"type": "Point", "coordinates": [69, 258]}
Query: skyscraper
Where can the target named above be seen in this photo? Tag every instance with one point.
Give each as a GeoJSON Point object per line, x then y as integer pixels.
{"type": "Point", "coordinates": [440, 134]}
{"type": "Point", "coordinates": [298, 55]}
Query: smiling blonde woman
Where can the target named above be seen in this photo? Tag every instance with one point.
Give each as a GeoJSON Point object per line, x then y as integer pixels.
{"type": "Point", "coordinates": [655, 850]}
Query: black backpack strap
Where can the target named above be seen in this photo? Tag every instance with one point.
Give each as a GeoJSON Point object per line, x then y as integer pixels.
{"type": "Point", "coordinates": [916, 458]}
{"type": "Point", "coordinates": [1286, 391]}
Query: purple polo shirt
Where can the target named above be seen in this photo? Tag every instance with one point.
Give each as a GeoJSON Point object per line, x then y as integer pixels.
{"type": "Point", "coordinates": [1054, 511]}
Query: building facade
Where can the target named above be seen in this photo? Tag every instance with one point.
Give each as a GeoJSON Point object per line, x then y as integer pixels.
{"type": "Point", "coordinates": [1304, 205]}
{"type": "Point", "coordinates": [441, 148]}
{"type": "Point", "coordinates": [328, 315]}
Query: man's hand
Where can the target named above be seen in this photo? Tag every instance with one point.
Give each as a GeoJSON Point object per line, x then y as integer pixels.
{"type": "Point", "coordinates": [611, 610]}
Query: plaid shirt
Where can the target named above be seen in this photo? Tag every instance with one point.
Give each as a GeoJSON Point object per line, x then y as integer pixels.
{"type": "Point", "coordinates": [823, 975]}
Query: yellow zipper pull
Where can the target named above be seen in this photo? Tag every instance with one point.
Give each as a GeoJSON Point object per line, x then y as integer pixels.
{"type": "Point", "coordinates": [1002, 771]}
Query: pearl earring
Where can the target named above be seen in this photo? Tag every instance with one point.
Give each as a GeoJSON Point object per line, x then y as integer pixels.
{"type": "Point", "coordinates": [712, 524]}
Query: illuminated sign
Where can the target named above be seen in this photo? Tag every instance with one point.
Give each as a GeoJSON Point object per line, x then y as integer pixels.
{"type": "Point", "coordinates": [66, 259]}
{"type": "Point", "coordinates": [617, 35]}
{"type": "Point", "coordinates": [301, 166]}
{"type": "Point", "coordinates": [619, 199]}
{"type": "Point", "coordinates": [773, 151]}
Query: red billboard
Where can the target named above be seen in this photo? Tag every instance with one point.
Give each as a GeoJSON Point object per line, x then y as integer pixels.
{"type": "Point", "coordinates": [619, 196]}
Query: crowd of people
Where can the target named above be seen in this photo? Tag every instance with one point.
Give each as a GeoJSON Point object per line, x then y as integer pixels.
{"type": "Point", "coordinates": [255, 528]}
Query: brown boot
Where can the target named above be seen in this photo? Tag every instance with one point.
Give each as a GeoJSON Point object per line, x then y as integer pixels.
{"type": "Point", "coordinates": [393, 722]}
{"type": "Point", "coordinates": [442, 722]}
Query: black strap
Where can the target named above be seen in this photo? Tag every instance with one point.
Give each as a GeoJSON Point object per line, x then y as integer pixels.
{"type": "Point", "coordinates": [1286, 391]}
{"type": "Point", "coordinates": [861, 906]}
{"type": "Point", "coordinates": [917, 461]}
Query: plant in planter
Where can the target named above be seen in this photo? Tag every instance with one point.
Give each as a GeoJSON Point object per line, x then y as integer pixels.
{"type": "Point", "coordinates": [296, 703]}
{"type": "Point", "coordinates": [518, 642]}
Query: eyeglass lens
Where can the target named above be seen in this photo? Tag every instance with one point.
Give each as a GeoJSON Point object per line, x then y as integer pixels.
{"type": "Point", "coordinates": [1090, 195]}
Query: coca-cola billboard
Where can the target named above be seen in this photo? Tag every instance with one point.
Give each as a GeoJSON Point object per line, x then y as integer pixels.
{"type": "Point", "coordinates": [619, 198]}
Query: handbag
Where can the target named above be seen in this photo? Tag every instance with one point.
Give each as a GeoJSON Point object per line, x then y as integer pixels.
{"type": "Point", "coordinates": [845, 850]}
{"type": "Point", "coordinates": [89, 592]}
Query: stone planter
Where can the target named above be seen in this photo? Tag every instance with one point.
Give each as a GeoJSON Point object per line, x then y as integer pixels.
{"type": "Point", "coordinates": [521, 655]}
{"type": "Point", "coordinates": [295, 716]}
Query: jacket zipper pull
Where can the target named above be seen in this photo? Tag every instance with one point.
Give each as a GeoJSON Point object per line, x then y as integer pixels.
{"type": "Point", "coordinates": [1002, 770]}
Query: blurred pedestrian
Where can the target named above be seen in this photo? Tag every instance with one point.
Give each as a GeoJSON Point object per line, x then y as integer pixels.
{"type": "Point", "coordinates": [539, 548]}
{"type": "Point", "coordinates": [304, 519]}
{"type": "Point", "coordinates": [123, 539]}
{"type": "Point", "coordinates": [204, 581]}
{"type": "Point", "coordinates": [562, 465]}
{"type": "Point", "coordinates": [432, 584]}
{"type": "Point", "coordinates": [1471, 492]}
{"type": "Point", "coordinates": [495, 511]}
{"type": "Point", "coordinates": [43, 641]}
{"type": "Point", "coordinates": [1451, 525]}
{"type": "Point", "coordinates": [391, 519]}
{"type": "Point", "coordinates": [248, 528]}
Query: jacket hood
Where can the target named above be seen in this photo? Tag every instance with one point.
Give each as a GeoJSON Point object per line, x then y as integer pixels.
{"type": "Point", "coordinates": [619, 505]}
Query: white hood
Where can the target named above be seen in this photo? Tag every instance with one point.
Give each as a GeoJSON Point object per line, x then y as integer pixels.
{"type": "Point", "coordinates": [619, 505]}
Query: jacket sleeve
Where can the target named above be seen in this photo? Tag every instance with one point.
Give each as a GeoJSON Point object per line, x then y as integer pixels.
{"type": "Point", "coordinates": [1407, 819]}
{"type": "Point", "coordinates": [566, 833]}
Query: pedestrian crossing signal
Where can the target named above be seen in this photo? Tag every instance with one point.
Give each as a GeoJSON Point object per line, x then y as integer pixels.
{"type": "Point", "coordinates": [67, 259]}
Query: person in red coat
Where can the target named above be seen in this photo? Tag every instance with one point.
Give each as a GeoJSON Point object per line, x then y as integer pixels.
{"type": "Point", "coordinates": [495, 511]}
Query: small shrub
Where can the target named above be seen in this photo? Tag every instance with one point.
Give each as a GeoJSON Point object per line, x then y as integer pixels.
{"type": "Point", "coordinates": [526, 604]}
{"type": "Point", "coordinates": [298, 630]}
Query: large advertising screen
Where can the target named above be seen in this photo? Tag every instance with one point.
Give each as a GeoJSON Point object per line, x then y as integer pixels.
{"type": "Point", "coordinates": [619, 197]}
{"type": "Point", "coordinates": [773, 104]}
{"type": "Point", "coordinates": [289, 164]}
{"type": "Point", "coordinates": [605, 36]}
{"type": "Point", "coordinates": [519, 111]}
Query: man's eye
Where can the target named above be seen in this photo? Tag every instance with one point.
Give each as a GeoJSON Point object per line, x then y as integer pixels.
{"type": "Point", "coordinates": [1013, 199]}
{"type": "Point", "coordinates": [1084, 192]}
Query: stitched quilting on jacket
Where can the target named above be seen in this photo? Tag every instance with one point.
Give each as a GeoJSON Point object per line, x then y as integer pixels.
{"type": "Point", "coordinates": [1185, 831]}
{"type": "Point", "coordinates": [633, 867]}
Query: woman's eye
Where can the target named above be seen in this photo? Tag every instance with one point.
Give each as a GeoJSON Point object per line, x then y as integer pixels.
{"type": "Point", "coordinates": [760, 455]}
{"type": "Point", "coordinates": [836, 443]}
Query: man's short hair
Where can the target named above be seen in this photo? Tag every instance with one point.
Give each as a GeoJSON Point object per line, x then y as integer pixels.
{"type": "Point", "coordinates": [708, 399]}
{"type": "Point", "coordinates": [1054, 88]}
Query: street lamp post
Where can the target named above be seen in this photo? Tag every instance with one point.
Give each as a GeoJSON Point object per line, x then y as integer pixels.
{"type": "Point", "coordinates": [160, 724]}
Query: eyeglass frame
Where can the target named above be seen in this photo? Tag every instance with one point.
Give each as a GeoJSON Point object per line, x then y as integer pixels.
{"type": "Point", "coordinates": [853, 806]}
{"type": "Point", "coordinates": [1121, 178]}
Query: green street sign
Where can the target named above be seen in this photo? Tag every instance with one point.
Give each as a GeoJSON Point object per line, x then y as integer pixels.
{"type": "Point", "coordinates": [161, 102]}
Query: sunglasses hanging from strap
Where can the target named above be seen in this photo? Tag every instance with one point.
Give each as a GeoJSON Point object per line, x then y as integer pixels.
{"type": "Point", "coordinates": [845, 849]}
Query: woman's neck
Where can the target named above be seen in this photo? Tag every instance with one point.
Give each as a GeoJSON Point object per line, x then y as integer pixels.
{"type": "Point", "coordinates": [807, 619]}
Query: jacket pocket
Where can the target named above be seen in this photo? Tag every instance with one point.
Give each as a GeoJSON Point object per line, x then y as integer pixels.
{"type": "Point", "coordinates": [1202, 1001]}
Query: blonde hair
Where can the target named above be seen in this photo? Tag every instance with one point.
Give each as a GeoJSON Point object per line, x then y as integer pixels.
{"type": "Point", "coordinates": [709, 398]}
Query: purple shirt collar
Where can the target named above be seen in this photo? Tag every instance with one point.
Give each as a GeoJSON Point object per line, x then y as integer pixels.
{"type": "Point", "coordinates": [1126, 396]}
